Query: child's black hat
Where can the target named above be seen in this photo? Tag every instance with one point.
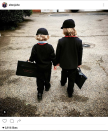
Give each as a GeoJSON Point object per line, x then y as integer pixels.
{"type": "Point", "coordinates": [42, 31]}
{"type": "Point", "coordinates": [69, 23]}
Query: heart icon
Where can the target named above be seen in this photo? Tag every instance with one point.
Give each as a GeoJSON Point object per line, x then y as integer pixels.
{"type": "Point", "coordinates": [4, 120]}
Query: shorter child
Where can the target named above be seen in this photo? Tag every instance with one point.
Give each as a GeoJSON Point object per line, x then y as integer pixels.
{"type": "Point", "coordinates": [43, 54]}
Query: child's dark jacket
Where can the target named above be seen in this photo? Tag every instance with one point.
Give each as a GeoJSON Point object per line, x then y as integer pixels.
{"type": "Point", "coordinates": [43, 55]}
{"type": "Point", "coordinates": [69, 52]}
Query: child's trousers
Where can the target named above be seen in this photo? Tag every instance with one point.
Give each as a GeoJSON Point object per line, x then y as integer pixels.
{"type": "Point", "coordinates": [71, 75]}
{"type": "Point", "coordinates": [43, 80]}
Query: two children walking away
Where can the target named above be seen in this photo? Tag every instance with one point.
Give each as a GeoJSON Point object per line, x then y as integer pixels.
{"type": "Point", "coordinates": [68, 56]}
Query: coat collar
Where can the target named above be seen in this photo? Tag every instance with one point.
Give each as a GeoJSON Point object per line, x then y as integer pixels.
{"type": "Point", "coordinates": [70, 36]}
{"type": "Point", "coordinates": [42, 42]}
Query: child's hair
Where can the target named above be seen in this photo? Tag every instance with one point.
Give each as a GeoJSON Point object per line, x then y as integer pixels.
{"type": "Point", "coordinates": [42, 37]}
{"type": "Point", "coordinates": [69, 31]}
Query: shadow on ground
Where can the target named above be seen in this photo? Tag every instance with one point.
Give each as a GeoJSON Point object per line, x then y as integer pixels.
{"type": "Point", "coordinates": [23, 23]}
{"type": "Point", "coordinates": [16, 107]}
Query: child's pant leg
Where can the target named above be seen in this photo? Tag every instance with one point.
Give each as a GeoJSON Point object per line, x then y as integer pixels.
{"type": "Point", "coordinates": [71, 80]}
{"type": "Point", "coordinates": [47, 75]}
{"type": "Point", "coordinates": [64, 76]}
{"type": "Point", "coordinates": [40, 82]}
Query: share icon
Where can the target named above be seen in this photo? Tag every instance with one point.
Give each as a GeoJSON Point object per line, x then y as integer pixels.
{"type": "Point", "coordinates": [19, 121]}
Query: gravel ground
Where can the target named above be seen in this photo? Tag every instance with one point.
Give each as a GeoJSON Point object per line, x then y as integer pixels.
{"type": "Point", "coordinates": [18, 94]}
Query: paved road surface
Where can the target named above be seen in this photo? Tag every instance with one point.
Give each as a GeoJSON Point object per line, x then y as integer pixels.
{"type": "Point", "coordinates": [19, 94]}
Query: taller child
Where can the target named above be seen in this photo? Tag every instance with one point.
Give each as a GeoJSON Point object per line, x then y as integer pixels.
{"type": "Point", "coordinates": [43, 54]}
{"type": "Point", "coordinates": [69, 54]}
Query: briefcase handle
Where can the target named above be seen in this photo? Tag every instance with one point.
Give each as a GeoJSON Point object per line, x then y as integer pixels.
{"type": "Point", "coordinates": [79, 70]}
{"type": "Point", "coordinates": [30, 61]}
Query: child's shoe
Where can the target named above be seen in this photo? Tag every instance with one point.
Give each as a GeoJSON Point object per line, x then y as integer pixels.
{"type": "Point", "coordinates": [47, 89]}
{"type": "Point", "coordinates": [62, 84]}
{"type": "Point", "coordinates": [39, 96]}
{"type": "Point", "coordinates": [70, 95]}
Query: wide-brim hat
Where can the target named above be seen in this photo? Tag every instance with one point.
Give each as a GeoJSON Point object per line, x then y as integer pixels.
{"type": "Point", "coordinates": [42, 31]}
{"type": "Point", "coordinates": [69, 23]}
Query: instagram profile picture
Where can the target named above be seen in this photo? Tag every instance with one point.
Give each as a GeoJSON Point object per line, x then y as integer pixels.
{"type": "Point", "coordinates": [4, 4]}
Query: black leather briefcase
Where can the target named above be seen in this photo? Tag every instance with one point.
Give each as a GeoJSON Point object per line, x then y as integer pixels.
{"type": "Point", "coordinates": [25, 68]}
{"type": "Point", "coordinates": [80, 78]}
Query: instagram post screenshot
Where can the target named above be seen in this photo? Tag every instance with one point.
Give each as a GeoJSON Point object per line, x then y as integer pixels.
{"type": "Point", "coordinates": [53, 65]}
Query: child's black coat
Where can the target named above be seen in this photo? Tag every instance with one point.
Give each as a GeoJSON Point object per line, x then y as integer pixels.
{"type": "Point", "coordinates": [69, 52]}
{"type": "Point", "coordinates": [43, 55]}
